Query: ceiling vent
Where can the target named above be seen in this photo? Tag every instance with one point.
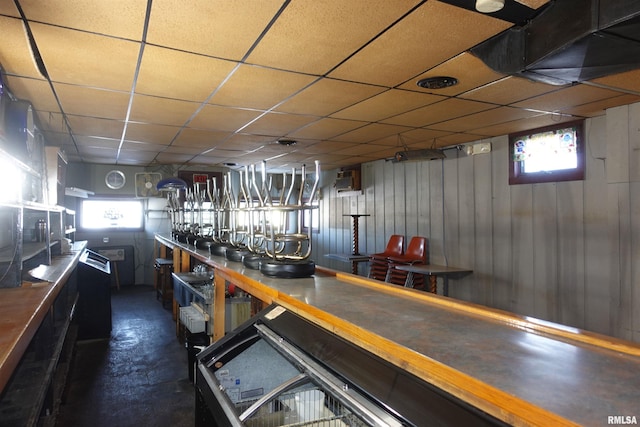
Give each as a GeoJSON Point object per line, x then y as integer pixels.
{"type": "Point", "coordinates": [570, 41]}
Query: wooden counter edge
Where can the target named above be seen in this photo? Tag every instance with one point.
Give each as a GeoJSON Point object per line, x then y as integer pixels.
{"type": "Point", "coordinates": [521, 322]}
{"type": "Point", "coordinates": [51, 291]}
{"type": "Point", "coordinates": [499, 404]}
{"type": "Point", "coordinates": [503, 406]}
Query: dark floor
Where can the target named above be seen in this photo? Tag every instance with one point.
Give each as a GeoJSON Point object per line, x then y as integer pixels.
{"type": "Point", "coordinates": [139, 377]}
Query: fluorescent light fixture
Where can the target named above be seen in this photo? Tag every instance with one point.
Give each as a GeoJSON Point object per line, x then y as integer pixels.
{"type": "Point", "coordinates": [489, 6]}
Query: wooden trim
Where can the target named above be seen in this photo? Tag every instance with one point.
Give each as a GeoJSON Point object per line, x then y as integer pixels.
{"type": "Point", "coordinates": [493, 401]}
{"type": "Point", "coordinates": [513, 320]}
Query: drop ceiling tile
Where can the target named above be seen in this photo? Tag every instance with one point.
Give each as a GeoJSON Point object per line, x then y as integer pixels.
{"type": "Point", "coordinates": [529, 123]}
{"type": "Point", "coordinates": [261, 88]}
{"type": "Point", "coordinates": [271, 148]}
{"type": "Point", "coordinates": [299, 143]}
{"type": "Point", "coordinates": [136, 157]}
{"type": "Point", "coordinates": [277, 124]}
{"type": "Point", "coordinates": [374, 58]}
{"type": "Point", "coordinates": [86, 143]}
{"type": "Point", "coordinates": [200, 138]}
{"type": "Point", "coordinates": [183, 150]}
{"type": "Point", "coordinates": [206, 161]}
{"type": "Point", "coordinates": [421, 138]}
{"type": "Point", "coordinates": [60, 139]}
{"type": "Point", "coordinates": [314, 37]}
{"type": "Point", "coordinates": [158, 134]}
{"type": "Point", "coordinates": [427, 37]}
{"type": "Point", "coordinates": [91, 102]}
{"type": "Point", "coordinates": [216, 28]}
{"type": "Point", "coordinates": [508, 90]}
{"type": "Point", "coordinates": [566, 98]}
{"type": "Point", "coordinates": [470, 72]}
{"type": "Point", "coordinates": [36, 90]}
{"type": "Point", "coordinates": [173, 158]}
{"type": "Point", "coordinates": [15, 54]}
{"type": "Point", "coordinates": [118, 18]}
{"type": "Point", "coordinates": [439, 112]}
{"type": "Point", "coordinates": [483, 119]}
{"type": "Point", "coordinates": [92, 126]}
{"type": "Point", "coordinates": [333, 161]}
{"type": "Point", "coordinates": [204, 139]}
{"type": "Point", "coordinates": [327, 96]}
{"type": "Point", "coordinates": [144, 146]}
{"type": "Point", "coordinates": [86, 59]}
{"type": "Point", "coordinates": [9, 8]}
{"type": "Point", "coordinates": [598, 108]}
{"type": "Point", "coordinates": [362, 150]}
{"type": "Point", "coordinates": [326, 128]}
{"type": "Point", "coordinates": [629, 81]}
{"type": "Point", "coordinates": [223, 118]}
{"type": "Point", "coordinates": [230, 156]}
{"type": "Point", "coordinates": [455, 139]}
{"type": "Point", "coordinates": [370, 132]}
{"type": "Point", "coordinates": [52, 122]}
{"type": "Point", "coordinates": [328, 147]}
{"type": "Point", "coordinates": [247, 142]}
{"type": "Point", "coordinates": [387, 104]}
{"type": "Point", "coordinates": [180, 75]}
{"type": "Point", "coordinates": [149, 109]}
{"type": "Point", "coordinates": [293, 159]}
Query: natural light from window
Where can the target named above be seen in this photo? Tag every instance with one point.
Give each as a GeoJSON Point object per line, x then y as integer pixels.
{"type": "Point", "coordinates": [550, 154]}
{"type": "Point", "coordinates": [112, 214]}
{"type": "Point", "coordinates": [548, 151]}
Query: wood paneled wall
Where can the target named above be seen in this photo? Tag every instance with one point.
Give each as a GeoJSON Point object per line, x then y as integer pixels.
{"type": "Point", "coordinates": [567, 252]}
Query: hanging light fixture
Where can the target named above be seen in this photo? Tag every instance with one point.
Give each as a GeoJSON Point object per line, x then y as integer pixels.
{"type": "Point", "coordinates": [489, 6]}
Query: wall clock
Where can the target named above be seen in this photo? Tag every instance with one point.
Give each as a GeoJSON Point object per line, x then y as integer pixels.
{"type": "Point", "coordinates": [115, 179]}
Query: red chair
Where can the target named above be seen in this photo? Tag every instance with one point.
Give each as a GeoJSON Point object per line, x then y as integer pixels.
{"type": "Point", "coordinates": [417, 253]}
{"type": "Point", "coordinates": [379, 263]}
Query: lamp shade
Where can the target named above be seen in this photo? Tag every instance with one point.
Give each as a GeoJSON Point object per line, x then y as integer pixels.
{"type": "Point", "coordinates": [171, 183]}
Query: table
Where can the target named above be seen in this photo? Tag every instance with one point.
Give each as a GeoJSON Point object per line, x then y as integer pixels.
{"type": "Point", "coordinates": [353, 259]}
{"type": "Point", "coordinates": [433, 271]}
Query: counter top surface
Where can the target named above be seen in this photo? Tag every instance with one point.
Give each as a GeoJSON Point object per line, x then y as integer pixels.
{"type": "Point", "coordinates": [563, 370]}
{"type": "Point", "coordinates": [22, 309]}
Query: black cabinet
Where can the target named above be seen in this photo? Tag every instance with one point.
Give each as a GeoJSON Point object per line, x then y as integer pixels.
{"type": "Point", "coordinates": [93, 314]}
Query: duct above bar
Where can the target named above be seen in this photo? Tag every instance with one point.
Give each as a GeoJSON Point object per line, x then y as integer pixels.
{"type": "Point", "coordinates": [519, 370]}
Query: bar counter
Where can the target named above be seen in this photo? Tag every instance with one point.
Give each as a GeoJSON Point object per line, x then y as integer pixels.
{"type": "Point", "coordinates": [22, 309]}
{"type": "Point", "coordinates": [521, 370]}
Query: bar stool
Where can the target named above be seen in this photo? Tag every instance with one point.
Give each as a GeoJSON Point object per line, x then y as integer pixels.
{"type": "Point", "coordinates": [163, 283]}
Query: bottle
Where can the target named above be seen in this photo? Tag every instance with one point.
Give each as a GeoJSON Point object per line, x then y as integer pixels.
{"type": "Point", "coordinates": [41, 230]}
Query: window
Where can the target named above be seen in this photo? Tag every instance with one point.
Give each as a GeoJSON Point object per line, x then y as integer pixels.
{"type": "Point", "coordinates": [549, 154]}
{"type": "Point", "coordinates": [113, 214]}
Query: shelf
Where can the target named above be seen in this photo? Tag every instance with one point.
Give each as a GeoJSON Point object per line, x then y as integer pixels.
{"type": "Point", "coordinates": [21, 165]}
{"type": "Point", "coordinates": [31, 250]}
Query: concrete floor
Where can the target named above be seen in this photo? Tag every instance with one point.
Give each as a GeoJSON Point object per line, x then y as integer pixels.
{"type": "Point", "coordinates": [139, 377]}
